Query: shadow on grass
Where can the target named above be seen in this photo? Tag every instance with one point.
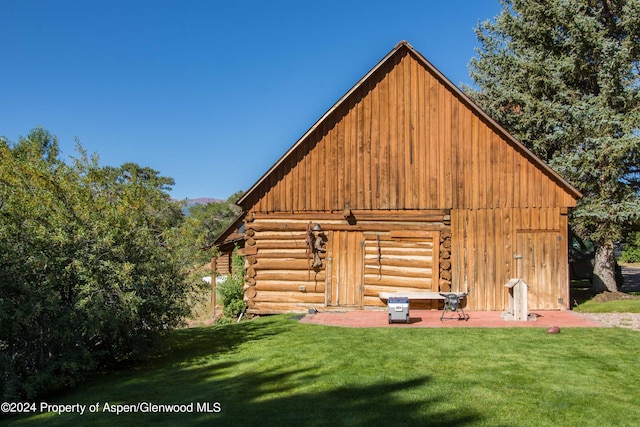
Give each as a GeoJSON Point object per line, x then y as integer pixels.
{"type": "Point", "coordinates": [197, 368]}
{"type": "Point", "coordinates": [357, 405]}
{"type": "Point", "coordinates": [189, 345]}
{"type": "Point", "coordinates": [278, 398]}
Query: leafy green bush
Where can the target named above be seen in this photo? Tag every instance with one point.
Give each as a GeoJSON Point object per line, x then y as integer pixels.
{"type": "Point", "coordinates": [231, 291]}
{"type": "Point", "coordinates": [209, 221]}
{"type": "Point", "coordinates": [631, 252]}
{"type": "Point", "coordinates": [88, 273]}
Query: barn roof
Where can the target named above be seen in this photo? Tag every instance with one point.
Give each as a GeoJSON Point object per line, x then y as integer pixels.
{"type": "Point", "coordinates": [459, 93]}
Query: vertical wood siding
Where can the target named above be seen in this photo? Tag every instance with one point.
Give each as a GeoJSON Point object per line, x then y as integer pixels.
{"type": "Point", "coordinates": [345, 262]}
{"type": "Point", "coordinates": [484, 250]}
{"type": "Point", "coordinates": [404, 140]}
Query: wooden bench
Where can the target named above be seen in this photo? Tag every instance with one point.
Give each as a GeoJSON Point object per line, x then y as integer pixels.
{"type": "Point", "coordinates": [418, 295]}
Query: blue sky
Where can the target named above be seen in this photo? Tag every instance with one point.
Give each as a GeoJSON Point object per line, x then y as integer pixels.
{"type": "Point", "coordinates": [210, 93]}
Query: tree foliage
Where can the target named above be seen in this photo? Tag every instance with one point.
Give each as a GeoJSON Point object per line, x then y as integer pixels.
{"type": "Point", "coordinates": [563, 77]}
{"type": "Point", "coordinates": [88, 271]}
{"type": "Point", "coordinates": [631, 252]}
{"type": "Point", "coordinates": [231, 291]}
{"type": "Point", "coordinates": [206, 222]}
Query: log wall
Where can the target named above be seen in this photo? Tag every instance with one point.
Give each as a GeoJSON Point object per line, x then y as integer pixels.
{"type": "Point", "coordinates": [393, 256]}
{"type": "Point", "coordinates": [400, 262]}
{"type": "Point", "coordinates": [222, 263]}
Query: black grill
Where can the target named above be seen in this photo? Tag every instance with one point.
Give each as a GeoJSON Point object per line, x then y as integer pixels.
{"type": "Point", "coordinates": [452, 304]}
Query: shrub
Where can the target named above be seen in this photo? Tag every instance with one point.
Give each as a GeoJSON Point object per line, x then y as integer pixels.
{"type": "Point", "coordinates": [231, 291]}
{"type": "Point", "coordinates": [631, 252]}
{"type": "Point", "coordinates": [88, 276]}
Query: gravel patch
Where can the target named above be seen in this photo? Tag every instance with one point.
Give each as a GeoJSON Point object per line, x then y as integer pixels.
{"type": "Point", "coordinates": [621, 320]}
{"type": "Point", "coordinates": [631, 273]}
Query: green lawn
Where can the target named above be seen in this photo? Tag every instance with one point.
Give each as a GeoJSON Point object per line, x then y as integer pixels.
{"type": "Point", "coordinates": [275, 371]}
{"type": "Point", "coordinates": [595, 305]}
{"type": "Point", "coordinates": [619, 306]}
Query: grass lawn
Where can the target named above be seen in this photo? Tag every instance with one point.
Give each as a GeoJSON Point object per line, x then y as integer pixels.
{"type": "Point", "coordinates": [605, 302]}
{"type": "Point", "coordinates": [275, 371]}
{"type": "Point", "coordinates": [618, 306]}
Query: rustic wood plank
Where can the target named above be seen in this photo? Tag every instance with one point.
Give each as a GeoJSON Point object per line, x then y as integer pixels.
{"type": "Point", "coordinates": [348, 161]}
{"type": "Point", "coordinates": [472, 254]}
{"type": "Point", "coordinates": [248, 250]}
{"type": "Point", "coordinates": [373, 302]}
{"type": "Point", "coordinates": [486, 166]}
{"type": "Point", "coordinates": [366, 136]}
{"type": "Point", "coordinates": [404, 234]}
{"type": "Point", "coordinates": [315, 176]}
{"type": "Point", "coordinates": [289, 297]}
{"type": "Point", "coordinates": [290, 275]}
{"type": "Point", "coordinates": [358, 136]}
{"type": "Point", "coordinates": [393, 108]}
{"type": "Point", "coordinates": [430, 215]}
{"type": "Point", "coordinates": [476, 171]}
{"type": "Point", "coordinates": [492, 284]}
{"type": "Point", "coordinates": [375, 146]}
{"type": "Point", "coordinates": [282, 264]}
{"type": "Point", "coordinates": [492, 164]}
{"type": "Point", "coordinates": [433, 162]}
{"type": "Point", "coordinates": [285, 307]}
{"type": "Point", "coordinates": [328, 169]}
{"type": "Point", "coordinates": [393, 281]}
{"type": "Point", "coordinates": [422, 139]}
{"type": "Point", "coordinates": [464, 151]}
{"type": "Point", "coordinates": [410, 270]}
{"type": "Point", "coordinates": [310, 286]}
{"type": "Point", "coordinates": [506, 252]}
{"type": "Point", "coordinates": [383, 145]}
{"type": "Point", "coordinates": [446, 158]}
{"type": "Point", "coordinates": [414, 140]}
{"type": "Point", "coordinates": [376, 290]}
{"type": "Point", "coordinates": [403, 182]}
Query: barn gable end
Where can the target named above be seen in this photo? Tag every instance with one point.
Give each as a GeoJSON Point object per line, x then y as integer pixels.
{"type": "Point", "coordinates": [415, 188]}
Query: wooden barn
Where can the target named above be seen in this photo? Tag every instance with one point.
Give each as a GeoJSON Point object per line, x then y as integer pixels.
{"type": "Point", "coordinates": [405, 185]}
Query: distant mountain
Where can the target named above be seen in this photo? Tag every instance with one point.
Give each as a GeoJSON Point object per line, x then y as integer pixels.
{"type": "Point", "coordinates": [202, 201]}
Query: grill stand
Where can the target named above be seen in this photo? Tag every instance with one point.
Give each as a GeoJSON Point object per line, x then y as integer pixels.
{"type": "Point", "coordinates": [453, 305]}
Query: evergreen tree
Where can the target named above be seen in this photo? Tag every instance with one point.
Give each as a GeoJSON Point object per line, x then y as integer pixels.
{"type": "Point", "coordinates": [563, 76]}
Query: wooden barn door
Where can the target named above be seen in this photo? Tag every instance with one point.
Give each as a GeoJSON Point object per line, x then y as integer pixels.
{"type": "Point", "coordinates": [345, 269]}
{"type": "Point", "coordinates": [538, 264]}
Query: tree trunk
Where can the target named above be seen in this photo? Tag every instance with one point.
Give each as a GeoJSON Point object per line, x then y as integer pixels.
{"type": "Point", "coordinates": [604, 270]}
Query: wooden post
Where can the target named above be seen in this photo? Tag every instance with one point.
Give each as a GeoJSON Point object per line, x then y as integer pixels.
{"type": "Point", "coordinates": [518, 309]}
{"type": "Point", "coordinates": [213, 287]}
